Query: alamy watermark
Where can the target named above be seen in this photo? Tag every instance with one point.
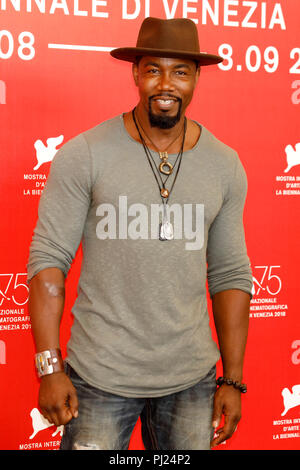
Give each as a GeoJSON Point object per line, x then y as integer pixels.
{"type": "Point", "coordinates": [138, 222]}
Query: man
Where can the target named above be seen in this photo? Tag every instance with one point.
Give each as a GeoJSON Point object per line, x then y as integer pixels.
{"type": "Point", "coordinates": [141, 343]}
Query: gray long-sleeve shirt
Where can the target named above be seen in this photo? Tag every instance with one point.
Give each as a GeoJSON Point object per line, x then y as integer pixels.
{"type": "Point", "coordinates": [141, 326]}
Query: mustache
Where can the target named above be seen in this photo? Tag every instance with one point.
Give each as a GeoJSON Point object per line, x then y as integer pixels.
{"type": "Point", "coordinates": [165, 95]}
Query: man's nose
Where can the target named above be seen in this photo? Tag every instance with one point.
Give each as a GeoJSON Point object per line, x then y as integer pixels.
{"type": "Point", "coordinates": [166, 82]}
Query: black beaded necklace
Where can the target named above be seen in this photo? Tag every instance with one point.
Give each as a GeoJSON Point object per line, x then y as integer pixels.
{"type": "Point", "coordinates": [165, 227]}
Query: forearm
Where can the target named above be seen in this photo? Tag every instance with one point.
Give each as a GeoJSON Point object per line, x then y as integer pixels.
{"type": "Point", "coordinates": [57, 396]}
{"type": "Point", "coordinates": [46, 304]}
{"type": "Point", "coordinates": [231, 316]}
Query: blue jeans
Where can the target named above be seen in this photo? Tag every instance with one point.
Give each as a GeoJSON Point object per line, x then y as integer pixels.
{"type": "Point", "coordinates": [179, 421]}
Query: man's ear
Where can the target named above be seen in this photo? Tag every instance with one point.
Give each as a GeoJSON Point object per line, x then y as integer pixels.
{"type": "Point", "coordinates": [135, 73]}
{"type": "Point", "coordinates": [198, 71]}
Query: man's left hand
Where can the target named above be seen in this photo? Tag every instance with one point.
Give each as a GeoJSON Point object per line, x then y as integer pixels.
{"type": "Point", "coordinates": [227, 402]}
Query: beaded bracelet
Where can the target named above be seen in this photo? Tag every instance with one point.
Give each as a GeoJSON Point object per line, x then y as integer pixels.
{"type": "Point", "coordinates": [241, 387]}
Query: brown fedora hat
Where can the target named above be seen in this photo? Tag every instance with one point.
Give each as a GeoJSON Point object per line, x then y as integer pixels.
{"type": "Point", "coordinates": [176, 38]}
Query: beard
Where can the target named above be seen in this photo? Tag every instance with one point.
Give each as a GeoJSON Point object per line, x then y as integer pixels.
{"type": "Point", "coordinates": [163, 121]}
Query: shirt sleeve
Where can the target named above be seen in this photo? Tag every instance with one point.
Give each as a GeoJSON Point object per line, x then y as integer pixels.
{"type": "Point", "coordinates": [228, 265]}
{"type": "Point", "coordinates": [63, 208]}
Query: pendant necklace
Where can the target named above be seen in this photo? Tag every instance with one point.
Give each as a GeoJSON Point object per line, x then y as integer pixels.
{"type": "Point", "coordinates": [162, 155]}
{"type": "Point", "coordinates": [165, 227]}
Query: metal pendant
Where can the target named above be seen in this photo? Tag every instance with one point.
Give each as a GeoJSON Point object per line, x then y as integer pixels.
{"type": "Point", "coordinates": [164, 192]}
{"type": "Point", "coordinates": [162, 167]}
{"type": "Point", "coordinates": [165, 227]}
{"type": "Point", "coordinates": [166, 231]}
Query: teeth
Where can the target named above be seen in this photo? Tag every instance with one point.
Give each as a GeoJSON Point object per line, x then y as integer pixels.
{"type": "Point", "coordinates": [165, 101]}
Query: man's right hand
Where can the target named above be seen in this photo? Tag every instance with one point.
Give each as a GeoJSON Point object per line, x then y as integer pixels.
{"type": "Point", "coordinates": [58, 398]}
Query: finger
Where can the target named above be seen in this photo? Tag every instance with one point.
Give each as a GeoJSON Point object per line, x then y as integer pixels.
{"type": "Point", "coordinates": [224, 433]}
{"type": "Point", "coordinates": [59, 414]}
{"type": "Point", "coordinates": [49, 413]}
{"type": "Point", "coordinates": [63, 415]}
{"type": "Point", "coordinates": [73, 404]}
{"type": "Point", "coordinates": [219, 437]}
{"type": "Point", "coordinates": [47, 416]}
{"type": "Point", "coordinates": [55, 419]}
{"type": "Point", "coordinates": [217, 414]}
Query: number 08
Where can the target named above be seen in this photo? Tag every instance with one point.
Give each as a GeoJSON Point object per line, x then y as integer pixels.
{"type": "Point", "coordinates": [26, 50]}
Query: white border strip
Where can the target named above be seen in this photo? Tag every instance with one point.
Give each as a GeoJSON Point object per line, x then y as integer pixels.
{"type": "Point", "coordinates": [80, 48]}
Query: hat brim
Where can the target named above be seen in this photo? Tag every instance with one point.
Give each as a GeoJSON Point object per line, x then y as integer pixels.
{"type": "Point", "coordinates": [131, 53]}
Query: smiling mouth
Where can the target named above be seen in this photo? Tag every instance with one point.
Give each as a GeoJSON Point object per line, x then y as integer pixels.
{"type": "Point", "coordinates": [165, 103]}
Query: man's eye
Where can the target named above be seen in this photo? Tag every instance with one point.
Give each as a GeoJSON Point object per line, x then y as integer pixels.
{"type": "Point", "coordinates": [155, 71]}
{"type": "Point", "coordinates": [180, 72]}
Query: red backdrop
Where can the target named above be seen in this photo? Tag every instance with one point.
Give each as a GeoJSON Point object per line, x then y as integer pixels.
{"type": "Point", "coordinates": [251, 102]}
